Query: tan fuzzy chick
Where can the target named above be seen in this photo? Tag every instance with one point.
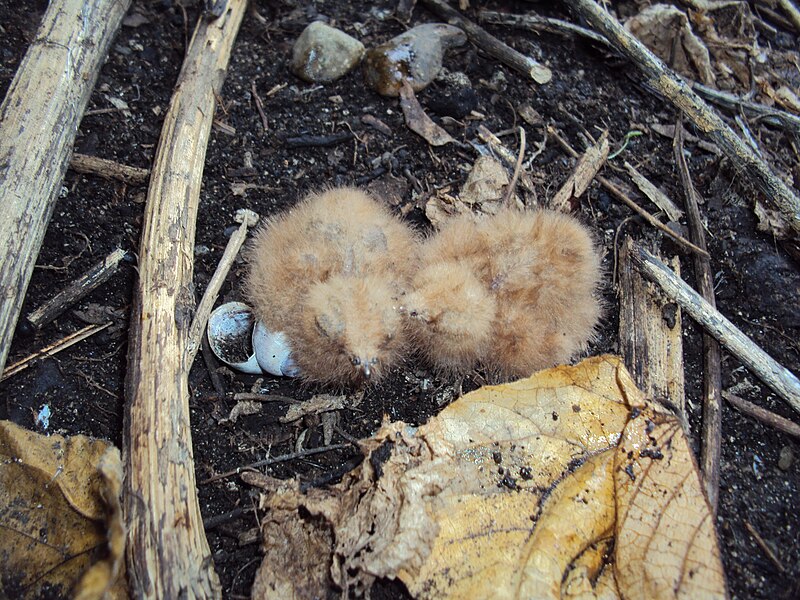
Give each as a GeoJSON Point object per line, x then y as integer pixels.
{"type": "Point", "coordinates": [513, 293]}
{"type": "Point", "coordinates": [329, 274]}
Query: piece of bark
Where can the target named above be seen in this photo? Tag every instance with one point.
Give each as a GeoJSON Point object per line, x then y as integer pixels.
{"type": "Point", "coordinates": [780, 379]}
{"type": "Point", "coordinates": [779, 195]}
{"type": "Point", "coordinates": [109, 169]}
{"type": "Point", "coordinates": [712, 353]}
{"type": "Point", "coordinates": [39, 118]}
{"type": "Point", "coordinates": [650, 335]}
{"type": "Point", "coordinates": [490, 44]}
{"type": "Point", "coordinates": [91, 280]}
{"type": "Point", "coordinates": [586, 169]}
{"type": "Point", "coordinates": [168, 554]}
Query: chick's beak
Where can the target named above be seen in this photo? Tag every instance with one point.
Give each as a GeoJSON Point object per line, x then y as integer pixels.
{"type": "Point", "coordinates": [365, 368]}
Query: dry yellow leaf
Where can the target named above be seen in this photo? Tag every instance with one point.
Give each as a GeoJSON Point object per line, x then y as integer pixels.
{"type": "Point", "coordinates": [61, 515]}
{"type": "Point", "coordinates": [568, 484]}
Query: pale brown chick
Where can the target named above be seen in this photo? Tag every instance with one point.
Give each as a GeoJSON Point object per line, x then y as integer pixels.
{"type": "Point", "coordinates": [513, 293]}
{"type": "Point", "coordinates": [330, 273]}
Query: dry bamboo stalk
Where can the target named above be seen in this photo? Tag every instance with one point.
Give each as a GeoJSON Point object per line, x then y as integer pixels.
{"type": "Point", "coordinates": [650, 334]}
{"type": "Point", "coordinates": [778, 194]}
{"type": "Point", "coordinates": [712, 353]}
{"type": "Point", "coordinates": [38, 121]}
{"type": "Point", "coordinates": [168, 555]}
{"type": "Point", "coordinates": [780, 379]}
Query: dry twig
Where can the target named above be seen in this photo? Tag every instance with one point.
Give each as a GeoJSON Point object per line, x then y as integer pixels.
{"type": "Point", "coordinates": [109, 169]}
{"type": "Point", "coordinates": [246, 218]}
{"type": "Point", "coordinates": [490, 44]}
{"type": "Point", "coordinates": [168, 554]}
{"type": "Point", "coordinates": [705, 119]}
{"type": "Point", "coordinates": [53, 348]}
{"type": "Point", "coordinates": [622, 196]}
{"type": "Point", "coordinates": [762, 414]}
{"type": "Point", "coordinates": [89, 281]}
{"type": "Point", "coordinates": [276, 459]}
{"type": "Point", "coordinates": [779, 378]}
{"type": "Point", "coordinates": [712, 354]}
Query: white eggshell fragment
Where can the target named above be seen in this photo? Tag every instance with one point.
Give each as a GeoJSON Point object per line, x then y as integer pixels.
{"type": "Point", "coordinates": [273, 352]}
{"type": "Point", "coordinates": [230, 329]}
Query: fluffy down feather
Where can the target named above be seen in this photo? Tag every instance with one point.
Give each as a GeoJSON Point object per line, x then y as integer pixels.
{"type": "Point", "coordinates": [513, 293]}
{"type": "Point", "coordinates": [330, 274]}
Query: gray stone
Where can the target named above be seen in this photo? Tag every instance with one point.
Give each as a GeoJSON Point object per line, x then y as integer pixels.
{"type": "Point", "coordinates": [323, 53]}
{"type": "Point", "coordinates": [414, 56]}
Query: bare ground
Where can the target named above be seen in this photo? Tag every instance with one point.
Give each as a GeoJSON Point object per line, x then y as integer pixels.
{"type": "Point", "coordinates": [757, 284]}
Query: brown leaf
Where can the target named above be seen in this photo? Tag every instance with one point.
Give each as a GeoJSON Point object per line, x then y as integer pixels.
{"type": "Point", "coordinates": [297, 558]}
{"type": "Point", "coordinates": [658, 25]}
{"type": "Point", "coordinates": [60, 506]}
{"type": "Point", "coordinates": [666, 545]}
{"type": "Point", "coordinates": [419, 122]}
{"type": "Point", "coordinates": [566, 483]}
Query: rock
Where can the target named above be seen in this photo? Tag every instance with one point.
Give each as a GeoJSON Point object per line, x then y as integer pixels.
{"type": "Point", "coordinates": [414, 56]}
{"type": "Point", "coordinates": [323, 53]}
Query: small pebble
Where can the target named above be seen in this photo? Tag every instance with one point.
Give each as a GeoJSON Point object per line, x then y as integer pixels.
{"type": "Point", "coordinates": [323, 53]}
{"type": "Point", "coordinates": [786, 458]}
{"type": "Point", "coordinates": [414, 56]}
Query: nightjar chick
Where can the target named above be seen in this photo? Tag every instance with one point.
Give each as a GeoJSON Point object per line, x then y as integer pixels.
{"type": "Point", "coordinates": [512, 293]}
{"type": "Point", "coordinates": [330, 274]}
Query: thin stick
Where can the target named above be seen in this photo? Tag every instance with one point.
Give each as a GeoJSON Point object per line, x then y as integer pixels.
{"type": "Point", "coordinates": [487, 42]}
{"type": "Point", "coordinates": [53, 348]}
{"type": "Point", "coordinates": [537, 23]}
{"type": "Point", "coordinates": [623, 197]}
{"type": "Point", "coordinates": [517, 168]}
{"type": "Point", "coordinates": [782, 381]}
{"type": "Point", "coordinates": [211, 366]}
{"type": "Point", "coordinates": [277, 459]}
{"type": "Point", "coordinates": [109, 169]}
{"type": "Point", "coordinates": [89, 281]}
{"type": "Point", "coordinates": [764, 547]}
{"type": "Point", "coordinates": [247, 218]}
{"type": "Point", "coordinates": [712, 354]}
{"type": "Point", "coordinates": [767, 114]}
{"type": "Point", "coordinates": [778, 194]}
{"type": "Point", "coordinates": [259, 106]}
{"type": "Point", "coordinates": [762, 414]}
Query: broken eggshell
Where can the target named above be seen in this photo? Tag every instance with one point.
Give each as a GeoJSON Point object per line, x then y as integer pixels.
{"type": "Point", "coordinates": [245, 344]}
{"type": "Point", "coordinates": [273, 352]}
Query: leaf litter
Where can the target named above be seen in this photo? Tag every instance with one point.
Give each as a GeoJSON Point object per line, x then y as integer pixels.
{"type": "Point", "coordinates": [566, 483]}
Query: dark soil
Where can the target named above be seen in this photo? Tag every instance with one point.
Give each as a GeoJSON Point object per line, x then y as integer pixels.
{"type": "Point", "coordinates": [757, 284]}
